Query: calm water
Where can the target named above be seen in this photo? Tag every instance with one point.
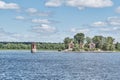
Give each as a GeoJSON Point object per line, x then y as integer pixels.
{"type": "Point", "coordinates": [22, 65]}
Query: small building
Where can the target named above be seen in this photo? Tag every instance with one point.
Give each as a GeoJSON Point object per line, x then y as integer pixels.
{"type": "Point", "coordinates": [33, 48]}
{"type": "Point", "coordinates": [92, 45]}
{"type": "Point", "coordinates": [71, 45]}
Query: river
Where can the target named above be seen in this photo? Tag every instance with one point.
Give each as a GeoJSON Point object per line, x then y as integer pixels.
{"type": "Point", "coordinates": [22, 65]}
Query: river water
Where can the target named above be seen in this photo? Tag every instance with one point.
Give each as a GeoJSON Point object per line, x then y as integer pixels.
{"type": "Point", "coordinates": [22, 65]}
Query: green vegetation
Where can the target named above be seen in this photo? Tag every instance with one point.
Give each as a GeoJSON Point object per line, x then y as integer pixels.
{"type": "Point", "coordinates": [101, 43]}
{"type": "Point", "coordinates": [27, 45]}
{"type": "Point", "coordinates": [80, 41]}
{"type": "Point", "coordinates": [67, 40]}
{"type": "Point", "coordinates": [79, 38]}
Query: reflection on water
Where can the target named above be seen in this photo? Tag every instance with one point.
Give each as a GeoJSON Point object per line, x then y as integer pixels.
{"type": "Point", "coordinates": [22, 65]}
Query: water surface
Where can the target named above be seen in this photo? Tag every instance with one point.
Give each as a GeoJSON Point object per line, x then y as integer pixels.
{"type": "Point", "coordinates": [22, 65]}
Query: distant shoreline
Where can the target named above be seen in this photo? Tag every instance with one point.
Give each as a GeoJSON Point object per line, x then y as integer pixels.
{"type": "Point", "coordinates": [91, 51]}
{"type": "Point", "coordinates": [60, 51]}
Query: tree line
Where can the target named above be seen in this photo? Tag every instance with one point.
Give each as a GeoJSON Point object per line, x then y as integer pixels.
{"type": "Point", "coordinates": [27, 45]}
{"type": "Point", "coordinates": [101, 43]}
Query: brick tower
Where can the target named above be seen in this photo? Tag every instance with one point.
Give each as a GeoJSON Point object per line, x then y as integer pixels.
{"type": "Point", "coordinates": [33, 48]}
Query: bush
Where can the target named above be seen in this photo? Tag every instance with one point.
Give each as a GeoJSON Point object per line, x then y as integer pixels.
{"type": "Point", "coordinates": [86, 49]}
{"type": "Point", "coordinates": [76, 49]}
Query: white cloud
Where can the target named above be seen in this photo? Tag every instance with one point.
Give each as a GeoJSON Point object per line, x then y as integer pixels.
{"type": "Point", "coordinates": [76, 30]}
{"type": "Point", "coordinates": [80, 4]}
{"type": "Point", "coordinates": [118, 9]}
{"type": "Point", "coordinates": [115, 21]}
{"type": "Point", "coordinates": [20, 18]}
{"type": "Point", "coordinates": [23, 37]}
{"type": "Point", "coordinates": [81, 8]}
{"type": "Point", "coordinates": [99, 24]}
{"type": "Point", "coordinates": [90, 3]}
{"type": "Point", "coordinates": [30, 37]}
{"type": "Point", "coordinates": [4, 5]}
{"type": "Point", "coordinates": [41, 21]}
{"type": "Point", "coordinates": [54, 3]}
{"type": "Point", "coordinates": [32, 10]}
{"type": "Point", "coordinates": [111, 29]}
{"type": "Point", "coordinates": [110, 21]}
{"type": "Point", "coordinates": [44, 29]}
{"type": "Point", "coordinates": [35, 12]}
{"type": "Point", "coordinates": [6, 36]}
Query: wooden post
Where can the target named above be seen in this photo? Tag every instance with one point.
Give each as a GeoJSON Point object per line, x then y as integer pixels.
{"type": "Point", "coordinates": [33, 48]}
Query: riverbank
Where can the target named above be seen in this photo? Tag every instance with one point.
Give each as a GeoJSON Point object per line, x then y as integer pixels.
{"type": "Point", "coordinates": [91, 51]}
{"type": "Point", "coordinates": [28, 50]}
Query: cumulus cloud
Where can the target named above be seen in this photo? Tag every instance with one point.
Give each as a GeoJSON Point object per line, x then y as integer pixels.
{"type": "Point", "coordinates": [4, 5]}
{"type": "Point", "coordinates": [32, 10]}
{"type": "Point", "coordinates": [9, 36]}
{"type": "Point", "coordinates": [20, 18]}
{"type": "Point", "coordinates": [80, 4]}
{"type": "Point", "coordinates": [28, 37]}
{"type": "Point", "coordinates": [99, 24]}
{"type": "Point", "coordinates": [76, 30]}
{"type": "Point", "coordinates": [54, 3]}
{"type": "Point", "coordinates": [41, 21]}
{"type": "Point", "coordinates": [110, 21]}
{"type": "Point", "coordinates": [110, 29]}
{"type": "Point", "coordinates": [90, 3]}
{"type": "Point", "coordinates": [110, 25]}
{"type": "Point", "coordinates": [44, 29]}
{"type": "Point", "coordinates": [115, 21]}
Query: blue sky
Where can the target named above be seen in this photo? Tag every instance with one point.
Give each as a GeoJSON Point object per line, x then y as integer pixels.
{"type": "Point", "coordinates": [53, 20]}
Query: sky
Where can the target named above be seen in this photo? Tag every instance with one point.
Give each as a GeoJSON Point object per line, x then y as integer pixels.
{"type": "Point", "coordinates": [53, 20]}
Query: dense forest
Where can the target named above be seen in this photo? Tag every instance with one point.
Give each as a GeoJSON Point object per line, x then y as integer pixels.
{"type": "Point", "coordinates": [27, 45]}
{"type": "Point", "coordinates": [101, 43]}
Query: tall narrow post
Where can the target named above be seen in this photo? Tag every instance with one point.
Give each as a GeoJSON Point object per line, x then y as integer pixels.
{"type": "Point", "coordinates": [33, 48]}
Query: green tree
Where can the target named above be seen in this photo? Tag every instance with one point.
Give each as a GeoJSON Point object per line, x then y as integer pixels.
{"type": "Point", "coordinates": [76, 47]}
{"type": "Point", "coordinates": [79, 38]}
{"type": "Point", "coordinates": [67, 40]}
{"type": "Point", "coordinates": [109, 42]}
{"type": "Point", "coordinates": [108, 45]}
{"type": "Point", "coordinates": [88, 40]}
{"type": "Point", "coordinates": [98, 40]}
{"type": "Point", "coordinates": [117, 46]}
